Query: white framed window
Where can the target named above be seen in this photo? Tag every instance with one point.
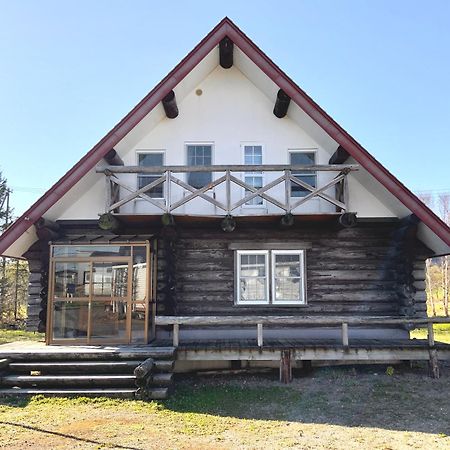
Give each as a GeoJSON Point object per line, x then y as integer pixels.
{"type": "Point", "coordinates": [270, 277]}
{"type": "Point", "coordinates": [150, 158]}
{"type": "Point", "coordinates": [306, 157]}
{"type": "Point", "coordinates": [253, 155]}
{"type": "Point", "coordinates": [199, 155]}
{"type": "Point", "coordinates": [252, 269]}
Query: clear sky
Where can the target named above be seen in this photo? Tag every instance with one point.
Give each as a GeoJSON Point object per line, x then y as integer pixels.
{"type": "Point", "coordinates": [70, 70]}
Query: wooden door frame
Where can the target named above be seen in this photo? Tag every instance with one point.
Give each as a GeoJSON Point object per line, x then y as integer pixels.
{"type": "Point", "coordinates": [128, 260]}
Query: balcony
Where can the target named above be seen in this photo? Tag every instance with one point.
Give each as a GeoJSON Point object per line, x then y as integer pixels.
{"type": "Point", "coordinates": [226, 190]}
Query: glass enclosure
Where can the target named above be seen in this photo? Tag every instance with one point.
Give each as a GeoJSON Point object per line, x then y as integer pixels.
{"type": "Point", "coordinates": [101, 294]}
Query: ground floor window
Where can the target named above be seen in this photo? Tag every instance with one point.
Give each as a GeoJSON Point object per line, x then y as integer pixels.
{"type": "Point", "coordinates": [270, 277]}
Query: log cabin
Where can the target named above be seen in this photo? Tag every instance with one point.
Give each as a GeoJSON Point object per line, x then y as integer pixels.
{"type": "Point", "coordinates": [226, 222]}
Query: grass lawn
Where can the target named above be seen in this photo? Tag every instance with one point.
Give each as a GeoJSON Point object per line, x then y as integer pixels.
{"type": "Point", "coordinates": [339, 408]}
{"type": "Point", "coordinates": [7, 336]}
{"type": "Point", "coordinates": [441, 333]}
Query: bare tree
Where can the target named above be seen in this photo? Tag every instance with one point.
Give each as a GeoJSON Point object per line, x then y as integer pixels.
{"type": "Point", "coordinates": [444, 210]}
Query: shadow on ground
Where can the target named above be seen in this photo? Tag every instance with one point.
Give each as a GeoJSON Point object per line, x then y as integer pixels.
{"type": "Point", "coordinates": [408, 400]}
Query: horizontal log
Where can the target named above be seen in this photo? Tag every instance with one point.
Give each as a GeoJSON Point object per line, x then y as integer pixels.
{"type": "Point", "coordinates": [144, 369]}
{"type": "Point", "coordinates": [224, 168]}
{"type": "Point", "coordinates": [292, 320]}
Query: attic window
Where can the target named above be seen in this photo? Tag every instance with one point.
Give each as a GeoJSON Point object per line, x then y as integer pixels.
{"type": "Point", "coordinates": [199, 155]}
{"type": "Point", "coordinates": [150, 159]}
{"type": "Point", "coordinates": [303, 158]}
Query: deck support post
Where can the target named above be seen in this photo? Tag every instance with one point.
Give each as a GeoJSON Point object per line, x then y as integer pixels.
{"type": "Point", "coordinates": [176, 334]}
{"type": "Point", "coordinates": [259, 328]}
{"type": "Point", "coordinates": [433, 361]}
{"type": "Point", "coordinates": [285, 366]}
{"type": "Point", "coordinates": [345, 335]}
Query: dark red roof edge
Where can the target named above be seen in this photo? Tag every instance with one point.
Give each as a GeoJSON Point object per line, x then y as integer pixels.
{"type": "Point", "coordinates": [225, 28]}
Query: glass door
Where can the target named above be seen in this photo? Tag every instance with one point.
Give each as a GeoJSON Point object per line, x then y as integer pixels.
{"type": "Point", "coordinates": [101, 294]}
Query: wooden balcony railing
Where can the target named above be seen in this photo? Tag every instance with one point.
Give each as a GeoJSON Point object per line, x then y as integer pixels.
{"type": "Point", "coordinates": [227, 200]}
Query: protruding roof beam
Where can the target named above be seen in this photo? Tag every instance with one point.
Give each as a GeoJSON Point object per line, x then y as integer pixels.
{"type": "Point", "coordinates": [226, 52]}
{"type": "Point", "coordinates": [281, 104]}
{"type": "Point", "coordinates": [169, 103]}
{"type": "Point", "coordinates": [339, 156]}
{"type": "Point", "coordinates": [113, 158]}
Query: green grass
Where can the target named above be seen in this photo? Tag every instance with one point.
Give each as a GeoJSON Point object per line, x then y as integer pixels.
{"type": "Point", "coordinates": [7, 336]}
{"type": "Point", "coordinates": [441, 333]}
{"type": "Point", "coordinates": [331, 408]}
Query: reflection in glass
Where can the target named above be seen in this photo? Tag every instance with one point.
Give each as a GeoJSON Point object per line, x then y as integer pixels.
{"type": "Point", "coordinates": [71, 280]}
{"type": "Point", "coordinates": [88, 251]}
{"type": "Point", "coordinates": [109, 279]}
{"type": "Point", "coordinates": [253, 280]}
{"type": "Point", "coordinates": [108, 320]}
{"type": "Point", "coordinates": [138, 322]}
{"type": "Point", "coordinates": [287, 270]}
{"type": "Point", "coordinates": [70, 319]}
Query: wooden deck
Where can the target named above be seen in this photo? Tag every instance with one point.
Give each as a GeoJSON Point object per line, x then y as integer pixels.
{"type": "Point", "coordinates": [357, 350]}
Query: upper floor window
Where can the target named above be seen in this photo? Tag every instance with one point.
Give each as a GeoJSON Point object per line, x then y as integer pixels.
{"type": "Point", "coordinates": [151, 159]}
{"type": "Point", "coordinates": [253, 155]}
{"type": "Point", "coordinates": [199, 155]}
{"type": "Point", "coordinates": [303, 158]}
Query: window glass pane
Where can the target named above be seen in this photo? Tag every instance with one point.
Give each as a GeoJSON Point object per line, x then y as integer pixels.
{"type": "Point", "coordinates": [154, 159]}
{"type": "Point", "coordinates": [108, 319]}
{"type": "Point", "coordinates": [287, 289]}
{"type": "Point", "coordinates": [139, 273]}
{"type": "Point", "coordinates": [253, 289]}
{"type": "Point", "coordinates": [253, 156]}
{"type": "Point", "coordinates": [72, 280]}
{"type": "Point", "coordinates": [109, 279]}
{"type": "Point", "coordinates": [302, 158]}
{"type": "Point", "coordinates": [287, 265]}
{"type": "Point", "coordinates": [138, 322]}
{"type": "Point", "coordinates": [199, 155]}
{"type": "Point", "coordinates": [253, 277]}
{"type": "Point", "coordinates": [86, 251]}
{"type": "Point", "coordinates": [70, 319]}
{"type": "Point", "coordinates": [287, 273]}
{"type": "Point", "coordinates": [253, 265]}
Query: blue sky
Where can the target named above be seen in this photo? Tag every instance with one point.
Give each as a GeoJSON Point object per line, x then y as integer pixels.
{"type": "Point", "coordinates": [70, 70]}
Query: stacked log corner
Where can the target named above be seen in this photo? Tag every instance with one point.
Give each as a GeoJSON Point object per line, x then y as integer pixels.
{"type": "Point", "coordinates": [38, 264]}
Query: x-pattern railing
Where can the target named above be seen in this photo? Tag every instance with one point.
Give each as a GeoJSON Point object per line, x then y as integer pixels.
{"type": "Point", "coordinates": [114, 183]}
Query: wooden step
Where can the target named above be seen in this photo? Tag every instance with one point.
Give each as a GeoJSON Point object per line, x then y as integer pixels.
{"type": "Point", "coordinates": [50, 353]}
{"type": "Point", "coordinates": [164, 365]}
{"type": "Point", "coordinates": [119, 393]}
{"type": "Point", "coordinates": [67, 380]}
{"type": "Point", "coordinates": [162, 379]}
{"type": "Point", "coordinates": [75, 366]}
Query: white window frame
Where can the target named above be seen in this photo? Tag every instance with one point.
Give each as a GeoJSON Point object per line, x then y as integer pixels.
{"type": "Point", "coordinates": [146, 152]}
{"type": "Point", "coordinates": [270, 278]}
{"type": "Point", "coordinates": [303, 150]}
{"type": "Point", "coordinates": [253, 144]}
{"type": "Point", "coordinates": [302, 300]}
{"type": "Point", "coordinates": [186, 158]}
{"type": "Point", "coordinates": [239, 253]}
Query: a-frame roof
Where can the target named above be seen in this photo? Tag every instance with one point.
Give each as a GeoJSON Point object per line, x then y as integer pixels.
{"type": "Point", "coordinates": [225, 28]}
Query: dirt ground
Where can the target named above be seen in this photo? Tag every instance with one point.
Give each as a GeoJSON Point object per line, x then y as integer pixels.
{"type": "Point", "coordinates": [340, 408]}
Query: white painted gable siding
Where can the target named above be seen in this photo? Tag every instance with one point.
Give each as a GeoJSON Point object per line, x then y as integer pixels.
{"type": "Point", "coordinates": [230, 112]}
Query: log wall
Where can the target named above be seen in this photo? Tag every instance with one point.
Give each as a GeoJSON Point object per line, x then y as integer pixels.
{"type": "Point", "coordinates": [368, 270]}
